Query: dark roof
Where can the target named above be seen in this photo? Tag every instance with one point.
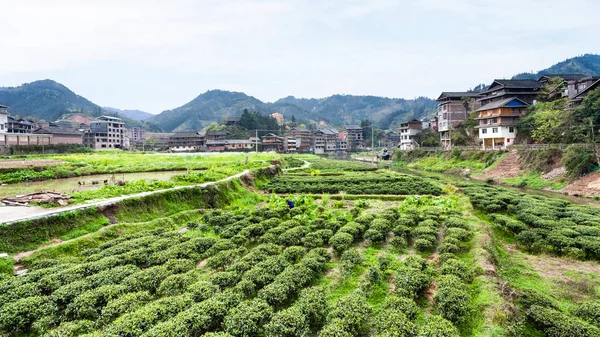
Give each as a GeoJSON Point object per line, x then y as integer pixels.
{"type": "Point", "coordinates": [411, 121]}
{"type": "Point", "coordinates": [55, 129]}
{"type": "Point", "coordinates": [109, 118]}
{"type": "Point", "coordinates": [270, 135]}
{"type": "Point", "coordinates": [566, 77]}
{"type": "Point", "coordinates": [3, 106]}
{"type": "Point", "coordinates": [233, 119]}
{"type": "Point", "coordinates": [186, 134]}
{"type": "Point", "coordinates": [216, 133]}
{"type": "Point", "coordinates": [515, 84]}
{"type": "Point", "coordinates": [328, 131]}
{"type": "Point", "coordinates": [501, 103]}
{"type": "Point", "coordinates": [299, 129]}
{"type": "Point", "coordinates": [352, 127]}
{"type": "Point", "coordinates": [588, 89]}
{"type": "Point", "coordinates": [457, 94]}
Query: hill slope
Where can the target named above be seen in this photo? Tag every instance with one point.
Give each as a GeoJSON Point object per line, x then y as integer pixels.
{"type": "Point", "coordinates": [136, 115]}
{"type": "Point", "coordinates": [588, 64]}
{"type": "Point", "coordinates": [46, 100]}
{"type": "Point", "coordinates": [215, 105]}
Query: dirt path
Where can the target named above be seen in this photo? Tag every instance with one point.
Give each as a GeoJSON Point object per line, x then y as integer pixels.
{"type": "Point", "coordinates": [508, 167]}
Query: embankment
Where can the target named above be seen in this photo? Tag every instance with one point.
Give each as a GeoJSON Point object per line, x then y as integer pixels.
{"type": "Point", "coordinates": [26, 235]}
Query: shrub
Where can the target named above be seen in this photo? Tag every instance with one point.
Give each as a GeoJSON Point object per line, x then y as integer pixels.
{"type": "Point", "coordinates": [335, 328]}
{"type": "Point", "coordinates": [351, 258]}
{"type": "Point", "coordinates": [202, 290]}
{"type": "Point", "coordinates": [394, 323]}
{"type": "Point", "coordinates": [313, 303]}
{"type": "Point", "coordinates": [71, 329]}
{"type": "Point", "coordinates": [341, 241]}
{"type": "Point", "coordinates": [578, 160]}
{"type": "Point", "coordinates": [398, 242]}
{"type": "Point", "coordinates": [457, 268]}
{"type": "Point", "coordinates": [248, 318]}
{"type": "Point", "coordinates": [89, 304]}
{"type": "Point", "coordinates": [452, 299]}
{"type": "Point", "coordinates": [291, 322]}
{"type": "Point", "coordinates": [353, 312]}
{"type": "Point", "coordinates": [424, 245]}
{"type": "Point", "coordinates": [411, 282]}
{"type": "Point", "coordinates": [147, 279]}
{"type": "Point", "coordinates": [589, 312]}
{"type": "Point", "coordinates": [401, 304]}
{"type": "Point", "coordinates": [437, 326]}
{"type": "Point", "coordinates": [112, 276]}
{"type": "Point", "coordinates": [126, 303]}
{"type": "Point", "coordinates": [17, 317]}
{"type": "Point", "coordinates": [557, 324]}
{"type": "Point", "coordinates": [374, 236]}
{"type": "Point", "coordinates": [175, 284]}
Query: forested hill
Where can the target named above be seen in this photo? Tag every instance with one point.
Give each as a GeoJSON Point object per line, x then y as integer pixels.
{"type": "Point", "coordinates": [136, 115]}
{"type": "Point", "coordinates": [588, 64]}
{"type": "Point", "coordinates": [45, 99]}
{"type": "Point", "coordinates": [217, 105]}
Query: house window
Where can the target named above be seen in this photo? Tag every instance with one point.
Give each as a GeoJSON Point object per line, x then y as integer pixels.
{"type": "Point", "coordinates": [445, 107]}
{"type": "Point", "coordinates": [511, 129]}
{"type": "Point", "coordinates": [495, 120]}
{"type": "Point", "coordinates": [483, 131]}
{"type": "Point", "coordinates": [445, 116]}
{"type": "Point", "coordinates": [494, 130]}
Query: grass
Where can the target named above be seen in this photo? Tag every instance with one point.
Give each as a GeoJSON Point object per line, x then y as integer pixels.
{"type": "Point", "coordinates": [535, 180]}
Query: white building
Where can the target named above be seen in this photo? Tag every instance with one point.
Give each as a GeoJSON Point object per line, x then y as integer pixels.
{"type": "Point", "coordinates": [3, 118]}
{"type": "Point", "coordinates": [498, 122]}
{"type": "Point", "coordinates": [408, 131]}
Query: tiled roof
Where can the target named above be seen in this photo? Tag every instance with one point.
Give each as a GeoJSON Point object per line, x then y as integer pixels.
{"type": "Point", "coordinates": [501, 103]}
{"type": "Point", "coordinates": [186, 134]}
{"type": "Point", "coordinates": [57, 130]}
{"type": "Point", "coordinates": [566, 77]}
{"type": "Point", "coordinates": [352, 127]}
{"type": "Point", "coordinates": [449, 94]}
{"type": "Point", "coordinates": [517, 84]}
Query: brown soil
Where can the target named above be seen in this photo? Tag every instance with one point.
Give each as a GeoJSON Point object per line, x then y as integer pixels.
{"type": "Point", "coordinates": [435, 258]}
{"type": "Point", "coordinates": [28, 163]}
{"type": "Point", "coordinates": [588, 184]}
{"type": "Point", "coordinates": [390, 283]}
{"type": "Point", "coordinates": [22, 255]}
{"type": "Point", "coordinates": [430, 293]}
{"type": "Point", "coordinates": [509, 167]}
{"type": "Point", "coordinates": [182, 230]}
{"type": "Point", "coordinates": [201, 263]}
{"type": "Point", "coordinates": [110, 212]}
{"type": "Point", "coordinates": [556, 268]}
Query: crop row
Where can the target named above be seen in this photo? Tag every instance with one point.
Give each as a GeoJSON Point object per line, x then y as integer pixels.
{"type": "Point", "coordinates": [353, 184]}
{"type": "Point", "coordinates": [541, 224]}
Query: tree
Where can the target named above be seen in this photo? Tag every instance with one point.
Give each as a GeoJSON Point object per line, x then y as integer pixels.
{"type": "Point", "coordinates": [589, 110]}
{"type": "Point", "coordinates": [551, 89]}
{"type": "Point", "coordinates": [549, 121]}
{"type": "Point", "coordinates": [428, 138]}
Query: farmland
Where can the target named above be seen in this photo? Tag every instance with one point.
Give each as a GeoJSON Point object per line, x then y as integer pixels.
{"type": "Point", "coordinates": [448, 259]}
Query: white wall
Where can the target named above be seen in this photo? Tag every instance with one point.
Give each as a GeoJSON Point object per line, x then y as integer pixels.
{"type": "Point", "coordinates": [503, 132]}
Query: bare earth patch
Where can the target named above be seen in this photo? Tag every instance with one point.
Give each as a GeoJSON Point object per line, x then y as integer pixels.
{"type": "Point", "coordinates": [588, 184]}
{"type": "Point", "coordinates": [18, 257]}
{"type": "Point", "coordinates": [28, 163]}
{"type": "Point", "coordinates": [430, 294]}
{"type": "Point", "coordinates": [201, 264]}
{"type": "Point", "coordinates": [556, 267]}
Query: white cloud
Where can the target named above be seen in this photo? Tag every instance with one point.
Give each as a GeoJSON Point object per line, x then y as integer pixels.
{"type": "Point", "coordinates": [274, 48]}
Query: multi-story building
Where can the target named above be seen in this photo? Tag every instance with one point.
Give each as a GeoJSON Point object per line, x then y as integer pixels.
{"type": "Point", "coordinates": [325, 141]}
{"type": "Point", "coordinates": [106, 132]}
{"type": "Point", "coordinates": [525, 90]}
{"type": "Point", "coordinates": [578, 89]}
{"type": "Point", "coordinates": [232, 121]}
{"type": "Point", "coordinates": [136, 134]}
{"type": "Point", "coordinates": [408, 131]}
{"type": "Point", "coordinates": [239, 145]}
{"type": "Point", "coordinates": [216, 135]}
{"type": "Point", "coordinates": [3, 118]}
{"type": "Point", "coordinates": [61, 135]}
{"type": "Point", "coordinates": [20, 125]}
{"type": "Point", "coordinates": [303, 139]}
{"type": "Point", "coordinates": [453, 109]}
{"type": "Point", "coordinates": [289, 144]}
{"type": "Point", "coordinates": [186, 141]}
{"type": "Point", "coordinates": [272, 142]}
{"type": "Point", "coordinates": [353, 135]}
{"type": "Point", "coordinates": [278, 117]}
{"type": "Point", "coordinates": [498, 122]}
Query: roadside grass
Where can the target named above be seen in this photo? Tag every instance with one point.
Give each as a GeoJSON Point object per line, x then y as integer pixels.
{"type": "Point", "coordinates": [535, 180]}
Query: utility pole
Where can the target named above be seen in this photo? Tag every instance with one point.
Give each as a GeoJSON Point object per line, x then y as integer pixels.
{"type": "Point", "coordinates": [256, 140]}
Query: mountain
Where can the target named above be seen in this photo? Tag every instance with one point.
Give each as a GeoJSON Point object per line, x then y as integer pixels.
{"type": "Point", "coordinates": [136, 115]}
{"type": "Point", "coordinates": [46, 100]}
{"type": "Point", "coordinates": [588, 64]}
{"type": "Point", "coordinates": [215, 105]}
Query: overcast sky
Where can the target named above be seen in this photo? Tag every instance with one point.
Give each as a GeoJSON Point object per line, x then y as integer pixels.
{"type": "Point", "coordinates": [155, 55]}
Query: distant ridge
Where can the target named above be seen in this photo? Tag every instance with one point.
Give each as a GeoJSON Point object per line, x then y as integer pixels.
{"type": "Point", "coordinates": [588, 64]}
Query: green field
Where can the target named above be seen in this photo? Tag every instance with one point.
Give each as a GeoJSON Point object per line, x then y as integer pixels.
{"type": "Point", "coordinates": [464, 259]}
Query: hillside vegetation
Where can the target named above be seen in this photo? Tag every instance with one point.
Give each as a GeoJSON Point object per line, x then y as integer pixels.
{"type": "Point", "coordinates": [588, 64]}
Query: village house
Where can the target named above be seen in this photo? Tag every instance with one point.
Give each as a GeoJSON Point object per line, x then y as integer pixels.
{"type": "Point", "coordinates": [408, 131]}
{"type": "Point", "coordinates": [137, 134]}
{"type": "Point", "coordinates": [106, 132]}
{"type": "Point", "coordinates": [392, 139]}
{"type": "Point", "coordinates": [525, 90]}
{"type": "Point", "coordinates": [239, 145]}
{"type": "Point", "coordinates": [453, 109]}
{"type": "Point", "coordinates": [556, 93]}
{"type": "Point", "coordinates": [186, 141]}
{"type": "Point", "coordinates": [61, 135]}
{"type": "Point", "coordinates": [3, 119]}
{"type": "Point", "coordinates": [579, 88]}
{"type": "Point", "coordinates": [498, 122]}
{"type": "Point", "coordinates": [273, 143]}
{"type": "Point", "coordinates": [303, 139]}
{"type": "Point", "coordinates": [353, 134]}
{"type": "Point", "coordinates": [232, 121]}
{"type": "Point", "coordinates": [325, 141]}
{"type": "Point", "coordinates": [20, 125]}
{"type": "Point", "coordinates": [216, 135]}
